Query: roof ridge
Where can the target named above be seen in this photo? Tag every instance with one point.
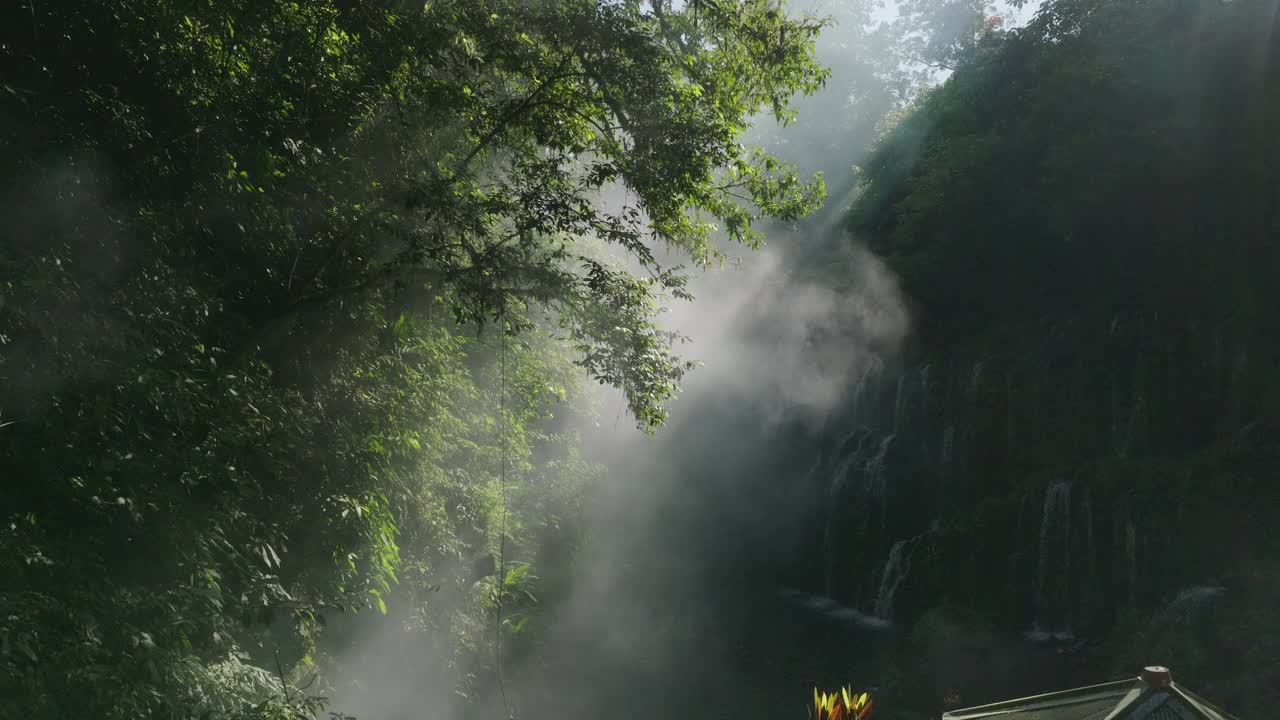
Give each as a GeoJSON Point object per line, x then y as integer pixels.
{"type": "Point", "coordinates": [1139, 691]}
{"type": "Point", "coordinates": [1141, 698]}
{"type": "Point", "coordinates": [1141, 704]}
{"type": "Point", "coordinates": [1064, 697]}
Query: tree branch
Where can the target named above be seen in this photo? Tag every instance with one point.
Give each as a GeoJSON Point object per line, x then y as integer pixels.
{"type": "Point", "coordinates": [509, 116]}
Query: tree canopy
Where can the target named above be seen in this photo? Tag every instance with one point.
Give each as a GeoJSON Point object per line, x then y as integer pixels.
{"type": "Point", "coordinates": [258, 262]}
{"type": "Point", "coordinates": [1107, 155]}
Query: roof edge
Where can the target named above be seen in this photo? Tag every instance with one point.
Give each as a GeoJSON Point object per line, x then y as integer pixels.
{"type": "Point", "coordinates": [1075, 695]}
{"type": "Point", "coordinates": [1200, 705]}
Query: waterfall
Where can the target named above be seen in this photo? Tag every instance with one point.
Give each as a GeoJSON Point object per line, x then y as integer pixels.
{"type": "Point", "coordinates": [975, 378]}
{"type": "Point", "coordinates": [1218, 362]}
{"type": "Point", "coordinates": [898, 398]}
{"type": "Point", "coordinates": [923, 412]}
{"type": "Point", "coordinates": [948, 447]}
{"type": "Point", "coordinates": [832, 511]}
{"type": "Point", "coordinates": [1086, 506]}
{"type": "Point", "coordinates": [1139, 423]}
{"type": "Point", "coordinates": [1015, 567]}
{"type": "Point", "coordinates": [877, 482]}
{"type": "Point", "coordinates": [896, 568]}
{"type": "Point", "coordinates": [1087, 590]}
{"type": "Point", "coordinates": [1115, 416]}
{"type": "Point", "coordinates": [1131, 560]}
{"type": "Point", "coordinates": [1125, 419]}
{"type": "Point", "coordinates": [860, 387]}
{"type": "Point", "coordinates": [841, 475]}
{"type": "Point", "coordinates": [1010, 433]}
{"type": "Point", "coordinates": [1088, 520]}
{"type": "Point", "coordinates": [1053, 612]}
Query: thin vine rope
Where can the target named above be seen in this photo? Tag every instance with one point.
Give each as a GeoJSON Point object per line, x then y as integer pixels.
{"type": "Point", "coordinates": [502, 526]}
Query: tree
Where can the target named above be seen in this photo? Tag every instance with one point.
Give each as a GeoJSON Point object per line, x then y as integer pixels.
{"type": "Point", "coordinates": [1072, 164]}
{"type": "Point", "coordinates": [245, 241]}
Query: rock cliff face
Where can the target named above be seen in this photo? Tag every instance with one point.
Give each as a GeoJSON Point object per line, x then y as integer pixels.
{"type": "Point", "coordinates": [1053, 479]}
{"type": "Point", "coordinates": [1083, 444]}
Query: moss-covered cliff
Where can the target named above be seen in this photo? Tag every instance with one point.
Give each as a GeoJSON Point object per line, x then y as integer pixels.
{"type": "Point", "coordinates": [1082, 443]}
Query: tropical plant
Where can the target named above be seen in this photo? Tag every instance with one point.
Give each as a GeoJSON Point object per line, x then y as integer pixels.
{"type": "Point", "coordinates": [842, 705]}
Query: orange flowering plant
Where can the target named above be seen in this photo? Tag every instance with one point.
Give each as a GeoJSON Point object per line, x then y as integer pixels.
{"type": "Point", "coordinates": [843, 705]}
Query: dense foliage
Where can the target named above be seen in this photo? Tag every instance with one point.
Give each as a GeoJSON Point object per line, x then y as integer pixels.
{"type": "Point", "coordinates": [298, 300]}
{"type": "Point", "coordinates": [283, 284]}
{"type": "Point", "coordinates": [1086, 216]}
{"type": "Point", "coordinates": [1108, 156]}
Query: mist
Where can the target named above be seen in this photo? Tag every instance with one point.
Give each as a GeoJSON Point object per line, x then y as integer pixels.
{"type": "Point", "coordinates": [690, 525]}
{"type": "Point", "coordinates": [693, 531]}
{"type": "Point", "coordinates": [689, 528]}
{"type": "Point", "coordinates": [692, 528]}
{"type": "Point", "coordinates": [335, 343]}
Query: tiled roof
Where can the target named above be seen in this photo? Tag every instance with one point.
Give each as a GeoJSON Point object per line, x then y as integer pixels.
{"type": "Point", "coordinates": [1088, 703]}
{"type": "Point", "coordinates": [1123, 700]}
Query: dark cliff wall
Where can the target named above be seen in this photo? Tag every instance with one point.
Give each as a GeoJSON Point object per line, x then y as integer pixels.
{"type": "Point", "coordinates": [1084, 442]}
